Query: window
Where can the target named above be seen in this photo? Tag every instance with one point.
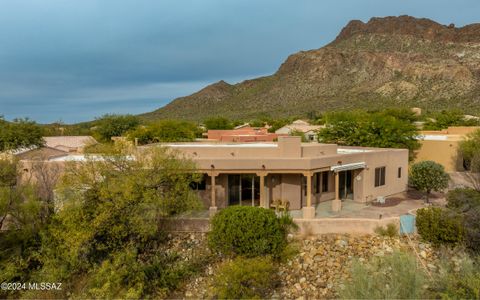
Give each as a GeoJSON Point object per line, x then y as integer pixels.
{"type": "Point", "coordinates": [399, 175]}
{"type": "Point", "coordinates": [379, 176]}
{"type": "Point", "coordinates": [325, 181]}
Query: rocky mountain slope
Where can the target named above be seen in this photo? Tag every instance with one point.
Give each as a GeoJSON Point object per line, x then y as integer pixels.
{"type": "Point", "coordinates": [391, 61]}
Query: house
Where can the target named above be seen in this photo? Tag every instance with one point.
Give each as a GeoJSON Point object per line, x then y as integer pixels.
{"type": "Point", "coordinates": [69, 143]}
{"type": "Point", "coordinates": [32, 153]}
{"type": "Point", "coordinates": [309, 131]}
{"type": "Point", "coordinates": [242, 134]}
{"type": "Point", "coordinates": [441, 146]}
{"type": "Point", "coordinates": [304, 174]}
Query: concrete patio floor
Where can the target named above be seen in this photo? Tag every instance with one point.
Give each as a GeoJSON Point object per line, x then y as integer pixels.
{"type": "Point", "coordinates": [350, 209]}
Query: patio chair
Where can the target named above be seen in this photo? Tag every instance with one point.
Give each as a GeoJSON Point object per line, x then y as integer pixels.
{"type": "Point", "coordinates": [276, 204]}
{"type": "Point", "coordinates": [284, 205]}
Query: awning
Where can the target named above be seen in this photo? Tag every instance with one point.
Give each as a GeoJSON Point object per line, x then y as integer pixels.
{"type": "Point", "coordinates": [346, 167]}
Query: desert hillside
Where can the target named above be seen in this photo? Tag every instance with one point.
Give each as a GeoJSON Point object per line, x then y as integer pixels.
{"type": "Point", "coordinates": [392, 61]}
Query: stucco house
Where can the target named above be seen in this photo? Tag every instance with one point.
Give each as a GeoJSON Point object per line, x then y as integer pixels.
{"type": "Point", "coordinates": [308, 130]}
{"type": "Point", "coordinates": [441, 146]}
{"type": "Point", "coordinates": [242, 134]}
{"type": "Point", "coordinates": [69, 143]}
{"type": "Point", "coordinates": [304, 174]}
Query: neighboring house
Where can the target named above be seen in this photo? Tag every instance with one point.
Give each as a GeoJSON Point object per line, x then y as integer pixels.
{"type": "Point", "coordinates": [441, 146]}
{"type": "Point", "coordinates": [304, 174]}
{"type": "Point", "coordinates": [69, 143]}
{"type": "Point", "coordinates": [243, 134]}
{"type": "Point", "coordinates": [33, 153]}
{"type": "Point", "coordinates": [309, 131]}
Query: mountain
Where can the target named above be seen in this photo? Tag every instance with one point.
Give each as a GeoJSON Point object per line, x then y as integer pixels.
{"type": "Point", "coordinates": [392, 61]}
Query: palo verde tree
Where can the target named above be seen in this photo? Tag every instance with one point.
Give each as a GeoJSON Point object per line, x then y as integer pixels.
{"type": "Point", "coordinates": [21, 133]}
{"type": "Point", "coordinates": [109, 126]}
{"type": "Point", "coordinates": [111, 207]}
{"type": "Point", "coordinates": [218, 123]}
{"type": "Point", "coordinates": [164, 131]}
{"type": "Point", "coordinates": [445, 118]}
{"type": "Point", "coordinates": [427, 176]}
{"type": "Point", "coordinates": [22, 216]}
{"type": "Point", "coordinates": [385, 129]}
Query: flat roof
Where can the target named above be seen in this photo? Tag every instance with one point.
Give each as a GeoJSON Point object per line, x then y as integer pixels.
{"type": "Point", "coordinates": [236, 145]}
{"type": "Point", "coordinates": [347, 150]}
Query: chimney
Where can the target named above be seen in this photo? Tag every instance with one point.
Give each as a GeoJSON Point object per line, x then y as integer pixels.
{"type": "Point", "coordinates": [290, 146]}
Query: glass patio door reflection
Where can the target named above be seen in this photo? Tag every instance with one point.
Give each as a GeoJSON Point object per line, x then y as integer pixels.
{"type": "Point", "coordinates": [346, 184]}
{"type": "Point", "coordinates": [243, 189]}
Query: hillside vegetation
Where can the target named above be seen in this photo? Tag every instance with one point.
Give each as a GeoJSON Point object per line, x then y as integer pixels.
{"type": "Point", "coordinates": [386, 62]}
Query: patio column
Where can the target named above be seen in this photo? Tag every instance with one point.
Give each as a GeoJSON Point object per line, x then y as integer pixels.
{"type": "Point", "coordinates": [263, 197]}
{"type": "Point", "coordinates": [337, 203]}
{"type": "Point", "coordinates": [213, 201]}
{"type": "Point", "coordinates": [309, 210]}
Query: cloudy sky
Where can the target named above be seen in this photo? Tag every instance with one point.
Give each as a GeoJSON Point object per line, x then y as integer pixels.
{"type": "Point", "coordinates": [73, 60]}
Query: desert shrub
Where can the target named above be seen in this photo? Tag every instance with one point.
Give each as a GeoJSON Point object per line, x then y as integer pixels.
{"type": "Point", "coordinates": [249, 231]}
{"type": "Point", "coordinates": [456, 279]}
{"type": "Point", "coordinates": [440, 226]}
{"type": "Point", "coordinates": [391, 230]}
{"type": "Point", "coordinates": [463, 199]}
{"type": "Point", "coordinates": [245, 278]}
{"type": "Point", "coordinates": [394, 276]}
{"type": "Point", "coordinates": [472, 229]}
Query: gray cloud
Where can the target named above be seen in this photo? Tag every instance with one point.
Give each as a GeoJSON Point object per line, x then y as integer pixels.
{"type": "Point", "coordinates": [74, 60]}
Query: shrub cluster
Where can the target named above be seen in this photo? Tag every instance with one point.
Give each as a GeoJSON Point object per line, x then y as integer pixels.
{"type": "Point", "coordinates": [440, 226]}
{"type": "Point", "coordinates": [393, 276]}
{"type": "Point", "coordinates": [255, 235]}
{"type": "Point", "coordinates": [459, 279]}
{"type": "Point", "coordinates": [466, 202]}
{"type": "Point", "coordinates": [391, 230]}
{"type": "Point", "coordinates": [249, 231]}
{"type": "Point", "coordinates": [245, 278]}
{"type": "Point", "coordinates": [463, 199]}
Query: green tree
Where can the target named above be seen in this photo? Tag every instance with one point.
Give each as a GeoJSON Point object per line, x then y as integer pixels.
{"type": "Point", "coordinates": [21, 133]}
{"type": "Point", "coordinates": [427, 176]}
{"type": "Point", "coordinates": [446, 118]}
{"type": "Point", "coordinates": [165, 131]}
{"type": "Point", "coordinates": [22, 216]}
{"type": "Point", "coordinates": [109, 126]}
{"type": "Point", "coordinates": [107, 232]}
{"type": "Point", "coordinates": [386, 129]}
{"type": "Point", "coordinates": [300, 134]}
{"type": "Point", "coordinates": [218, 123]}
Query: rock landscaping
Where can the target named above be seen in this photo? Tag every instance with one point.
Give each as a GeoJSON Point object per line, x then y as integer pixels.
{"type": "Point", "coordinates": [316, 269]}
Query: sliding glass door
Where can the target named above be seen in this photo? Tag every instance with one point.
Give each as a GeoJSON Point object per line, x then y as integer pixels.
{"type": "Point", "coordinates": [243, 189]}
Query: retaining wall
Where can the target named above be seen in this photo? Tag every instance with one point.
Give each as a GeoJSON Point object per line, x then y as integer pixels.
{"type": "Point", "coordinates": [306, 226]}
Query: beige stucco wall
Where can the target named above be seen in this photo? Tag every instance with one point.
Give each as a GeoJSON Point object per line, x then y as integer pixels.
{"type": "Point", "coordinates": [442, 152]}
{"type": "Point", "coordinates": [392, 160]}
